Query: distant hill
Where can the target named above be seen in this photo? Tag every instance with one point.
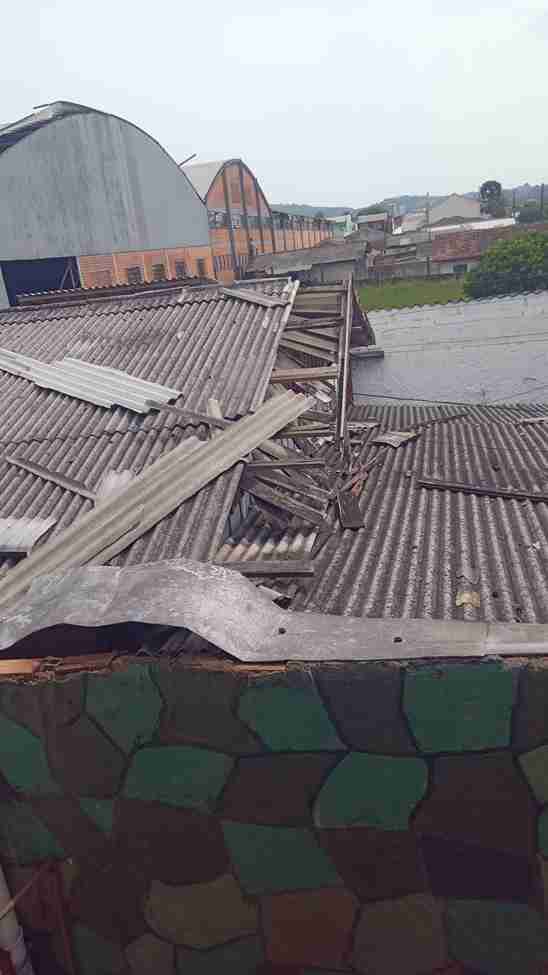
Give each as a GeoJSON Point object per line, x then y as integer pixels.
{"type": "Point", "coordinates": [409, 202]}
{"type": "Point", "coordinates": [303, 210]}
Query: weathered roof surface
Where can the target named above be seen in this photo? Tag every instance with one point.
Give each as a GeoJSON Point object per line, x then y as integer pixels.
{"type": "Point", "coordinates": [15, 131]}
{"type": "Point", "coordinates": [488, 350]}
{"type": "Point", "coordinates": [201, 175]}
{"type": "Point", "coordinates": [328, 252]}
{"type": "Point", "coordinates": [205, 345]}
{"type": "Point", "coordinates": [100, 385]}
{"type": "Point", "coordinates": [124, 516]}
{"type": "Point", "coordinates": [418, 547]}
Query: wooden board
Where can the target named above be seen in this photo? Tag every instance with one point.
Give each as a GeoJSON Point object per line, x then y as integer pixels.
{"type": "Point", "coordinates": [302, 375]}
{"type": "Point", "coordinates": [481, 490]}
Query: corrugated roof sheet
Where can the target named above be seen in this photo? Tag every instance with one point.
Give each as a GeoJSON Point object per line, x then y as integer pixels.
{"type": "Point", "coordinates": [94, 384]}
{"type": "Point", "coordinates": [258, 540]}
{"type": "Point", "coordinates": [409, 559]}
{"type": "Point", "coordinates": [21, 534]}
{"type": "Point", "coordinates": [176, 476]}
{"type": "Point", "coordinates": [207, 346]}
{"type": "Point", "coordinates": [328, 252]}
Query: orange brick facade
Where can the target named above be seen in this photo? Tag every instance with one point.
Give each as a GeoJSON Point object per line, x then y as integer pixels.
{"type": "Point", "coordinates": [241, 225]}
{"type": "Point", "coordinates": [104, 270]}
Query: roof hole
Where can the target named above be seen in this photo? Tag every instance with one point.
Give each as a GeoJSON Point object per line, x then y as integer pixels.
{"type": "Point", "coordinates": [398, 639]}
{"type": "Point", "coordinates": [282, 630]}
{"type": "Point", "coordinates": [495, 594]}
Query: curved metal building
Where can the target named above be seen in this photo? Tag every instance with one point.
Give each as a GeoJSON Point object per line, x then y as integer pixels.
{"type": "Point", "coordinates": [241, 221]}
{"type": "Point", "coordinates": [76, 183]}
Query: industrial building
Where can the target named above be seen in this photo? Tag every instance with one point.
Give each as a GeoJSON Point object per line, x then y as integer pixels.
{"type": "Point", "coordinates": [88, 198]}
{"type": "Point", "coordinates": [241, 222]}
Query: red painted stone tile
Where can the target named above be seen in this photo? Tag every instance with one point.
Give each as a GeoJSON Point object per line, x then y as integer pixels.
{"type": "Point", "coordinates": [309, 928]}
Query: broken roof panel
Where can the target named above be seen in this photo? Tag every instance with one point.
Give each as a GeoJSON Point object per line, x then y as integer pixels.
{"type": "Point", "coordinates": [94, 384]}
{"type": "Point", "coordinates": [19, 535]}
{"type": "Point", "coordinates": [207, 346]}
{"type": "Point", "coordinates": [125, 516]}
{"type": "Point", "coordinates": [417, 545]}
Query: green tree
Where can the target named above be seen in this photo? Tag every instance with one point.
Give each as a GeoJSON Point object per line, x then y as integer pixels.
{"type": "Point", "coordinates": [520, 264]}
{"type": "Point", "coordinates": [491, 197]}
{"type": "Point", "coordinates": [531, 213]}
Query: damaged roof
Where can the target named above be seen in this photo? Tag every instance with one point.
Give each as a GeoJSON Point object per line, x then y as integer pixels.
{"type": "Point", "coordinates": [440, 554]}
{"type": "Point", "coordinates": [200, 342]}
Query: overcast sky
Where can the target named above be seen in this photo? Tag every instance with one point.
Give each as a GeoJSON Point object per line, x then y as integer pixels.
{"type": "Point", "coordinates": [329, 104]}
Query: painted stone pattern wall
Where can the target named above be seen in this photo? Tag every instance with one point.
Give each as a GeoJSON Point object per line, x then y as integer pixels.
{"type": "Point", "coordinates": [218, 818]}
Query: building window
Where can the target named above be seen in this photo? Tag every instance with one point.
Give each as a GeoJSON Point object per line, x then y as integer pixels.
{"type": "Point", "coordinates": [134, 275]}
{"type": "Point", "coordinates": [460, 269]}
{"type": "Point", "coordinates": [158, 272]}
{"type": "Point", "coordinates": [201, 267]}
{"type": "Point", "coordinates": [180, 269]}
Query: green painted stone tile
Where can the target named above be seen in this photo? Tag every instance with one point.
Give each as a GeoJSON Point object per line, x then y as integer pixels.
{"type": "Point", "coordinates": [497, 938]}
{"type": "Point", "coordinates": [268, 859]}
{"type": "Point", "coordinates": [96, 955]}
{"type": "Point", "coordinates": [23, 760]}
{"type": "Point", "coordinates": [289, 716]}
{"type": "Point", "coordinates": [238, 958]}
{"type": "Point", "coordinates": [101, 811]}
{"type": "Point", "coordinates": [371, 790]}
{"type": "Point", "coordinates": [24, 837]}
{"type": "Point", "coordinates": [178, 775]}
{"type": "Point", "coordinates": [126, 704]}
{"type": "Point", "coordinates": [461, 707]}
{"type": "Point", "coordinates": [535, 767]}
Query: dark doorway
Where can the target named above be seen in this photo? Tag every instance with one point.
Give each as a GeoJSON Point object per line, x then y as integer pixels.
{"type": "Point", "coordinates": [31, 277]}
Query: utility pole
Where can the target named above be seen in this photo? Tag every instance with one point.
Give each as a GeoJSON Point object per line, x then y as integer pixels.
{"type": "Point", "coordinates": [428, 246]}
{"type": "Point", "coordinates": [542, 198]}
{"type": "Point", "coordinates": [513, 203]}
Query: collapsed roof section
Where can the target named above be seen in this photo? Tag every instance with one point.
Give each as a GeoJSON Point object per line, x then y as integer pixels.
{"type": "Point", "coordinates": [154, 478]}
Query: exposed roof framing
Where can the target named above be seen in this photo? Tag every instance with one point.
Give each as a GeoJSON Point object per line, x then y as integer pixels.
{"type": "Point", "coordinates": [123, 517]}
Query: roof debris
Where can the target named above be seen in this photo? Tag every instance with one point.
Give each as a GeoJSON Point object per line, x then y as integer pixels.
{"type": "Point", "coordinates": [19, 535]}
{"type": "Point", "coordinates": [93, 383]}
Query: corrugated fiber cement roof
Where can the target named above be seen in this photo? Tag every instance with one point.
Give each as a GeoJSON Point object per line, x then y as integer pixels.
{"type": "Point", "coordinates": [419, 547]}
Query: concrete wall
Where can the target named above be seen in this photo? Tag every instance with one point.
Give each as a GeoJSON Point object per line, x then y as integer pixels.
{"type": "Point", "coordinates": [380, 819]}
{"type": "Point", "coordinates": [94, 184]}
{"type": "Point", "coordinates": [336, 272]}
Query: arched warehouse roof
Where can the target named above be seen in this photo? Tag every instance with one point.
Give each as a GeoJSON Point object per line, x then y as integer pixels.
{"type": "Point", "coordinates": [77, 181]}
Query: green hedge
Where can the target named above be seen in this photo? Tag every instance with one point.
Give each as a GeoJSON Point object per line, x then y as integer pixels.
{"type": "Point", "coordinates": [508, 266]}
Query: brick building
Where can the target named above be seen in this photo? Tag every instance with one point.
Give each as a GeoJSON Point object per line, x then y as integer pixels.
{"type": "Point", "coordinates": [241, 222]}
